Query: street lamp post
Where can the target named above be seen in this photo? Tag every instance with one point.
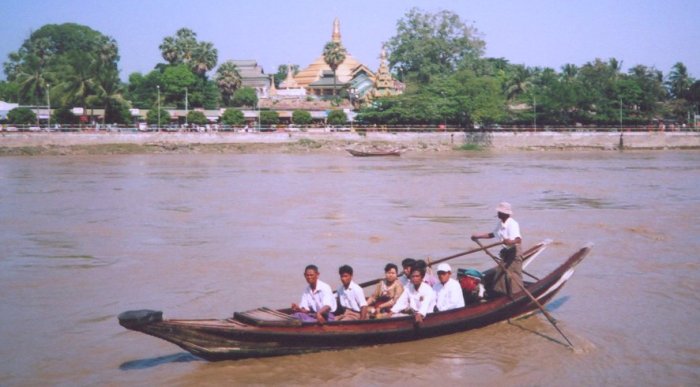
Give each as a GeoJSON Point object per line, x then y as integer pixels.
{"type": "Point", "coordinates": [48, 105]}
{"type": "Point", "coordinates": [158, 123]}
{"type": "Point", "coordinates": [186, 108]}
{"type": "Point", "coordinates": [534, 108]}
{"type": "Point", "coordinates": [444, 114]}
{"type": "Point", "coordinates": [620, 114]}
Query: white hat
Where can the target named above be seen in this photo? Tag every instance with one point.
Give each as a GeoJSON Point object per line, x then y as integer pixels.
{"type": "Point", "coordinates": [444, 267]}
{"type": "Point", "coordinates": [504, 207]}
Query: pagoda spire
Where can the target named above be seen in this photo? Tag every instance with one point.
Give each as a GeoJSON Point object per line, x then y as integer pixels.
{"type": "Point", "coordinates": [336, 31]}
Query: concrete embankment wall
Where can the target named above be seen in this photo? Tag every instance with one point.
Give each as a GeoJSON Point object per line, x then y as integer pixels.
{"type": "Point", "coordinates": [495, 140]}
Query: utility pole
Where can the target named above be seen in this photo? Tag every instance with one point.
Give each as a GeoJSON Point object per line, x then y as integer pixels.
{"type": "Point", "coordinates": [158, 124]}
{"type": "Point", "coordinates": [534, 108]}
{"type": "Point", "coordinates": [48, 105]}
{"type": "Point", "coordinates": [620, 114]}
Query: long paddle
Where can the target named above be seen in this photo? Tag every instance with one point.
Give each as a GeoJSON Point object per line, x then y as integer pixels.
{"type": "Point", "coordinates": [522, 287]}
{"type": "Point", "coordinates": [472, 251]}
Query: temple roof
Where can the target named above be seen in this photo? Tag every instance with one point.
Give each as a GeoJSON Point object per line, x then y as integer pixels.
{"type": "Point", "coordinates": [345, 71]}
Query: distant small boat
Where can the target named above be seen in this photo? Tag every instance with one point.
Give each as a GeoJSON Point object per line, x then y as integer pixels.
{"type": "Point", "coordinates": [374, 153]}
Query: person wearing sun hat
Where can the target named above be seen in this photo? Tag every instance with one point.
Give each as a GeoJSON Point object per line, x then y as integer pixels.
{"type": "Point", "coordinates": [507, 231]}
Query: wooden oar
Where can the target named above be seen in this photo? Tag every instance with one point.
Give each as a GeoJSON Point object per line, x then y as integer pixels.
{"type": "Point", "coordinates": [472, 251]}
{"type": "Point", "coordinates": [532, 298]}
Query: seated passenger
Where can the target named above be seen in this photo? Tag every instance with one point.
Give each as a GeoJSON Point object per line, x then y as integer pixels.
{"type": "Point", "coordinates": [407, 265]}
{"type": "Point", "coordinates": [417, 299]}
{"type": "Point", "coordinates": [317, 301]}
{"type": "Point", "coordinates": [387, 293]}
{"type": "Point", "coordinates": [429, 277]}
{"type": "Point", "coordinates": [447, 290]}
{"type": "Point", "coordinates": [351, 297]}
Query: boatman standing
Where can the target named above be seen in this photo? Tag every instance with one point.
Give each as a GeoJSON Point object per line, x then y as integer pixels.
{"type": "Point", "coordinates": [507, 232]}
{"type": "Point", "coordinates": [317, 302]}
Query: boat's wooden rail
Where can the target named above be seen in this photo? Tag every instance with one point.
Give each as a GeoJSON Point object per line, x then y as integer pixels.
{"type": "Point", "coordinates": [266, 317]}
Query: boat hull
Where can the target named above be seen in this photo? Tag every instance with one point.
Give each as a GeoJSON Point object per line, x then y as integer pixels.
{"type": "Point", "coordinates": [357, 153]}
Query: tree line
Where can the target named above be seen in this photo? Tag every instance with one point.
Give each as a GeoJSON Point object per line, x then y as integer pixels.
{"type": "Point", "coordinates": [438, 57]}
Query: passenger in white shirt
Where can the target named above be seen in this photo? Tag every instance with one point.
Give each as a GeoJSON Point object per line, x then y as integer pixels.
{"type": "Point", "coordinates": [317, 302]}
{"type": "Point", "coordinates": [418, 298]}
{"type": "Point", "coordinates": [448, 291]}
{"type": "Point", "coordinates": [351, 297]}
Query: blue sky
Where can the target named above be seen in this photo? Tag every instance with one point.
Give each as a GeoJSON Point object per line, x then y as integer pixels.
{"type": "Point", "coordinates": [535, 33]}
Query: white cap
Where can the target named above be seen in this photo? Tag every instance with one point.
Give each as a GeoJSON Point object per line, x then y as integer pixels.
{"type": "Point", "coordinates": [444, 267]}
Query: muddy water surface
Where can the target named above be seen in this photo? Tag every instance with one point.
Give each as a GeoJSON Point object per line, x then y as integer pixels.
{"type": "Point", "coordinates": [85, 238]}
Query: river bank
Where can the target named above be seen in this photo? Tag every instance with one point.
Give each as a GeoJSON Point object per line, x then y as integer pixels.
{"type": "Point", "coordinates": [52, 143]}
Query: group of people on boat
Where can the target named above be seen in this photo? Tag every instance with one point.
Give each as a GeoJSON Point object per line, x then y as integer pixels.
{"type": "Point", "coordinates": [417, 293]}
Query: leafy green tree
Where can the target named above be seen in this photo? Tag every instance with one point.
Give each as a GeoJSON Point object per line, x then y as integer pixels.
{"type": "Point", "coordinates": [197, 118]}
{"type": "Point", "coordinates": [21, 116]}
{"type": "Point", "coordinates": [650, 82]}
{"type": "Point", "coordinates": [232, 117]}
{"type": "Point", "coordinates": [64, 116]}
{"type": "Point", "coordinates": [301, 117]}
{"type": "Point", "coordinates": [9, 91]}
{"type": "Point", "coordinates": [152, 117]}
{"type": "Point", "coordinates": [142, 90]}
{"type": "Point", "coordinates": [228, 79]}
{"type": "Point", "coordinates": [245, 96]}
{"type": "Point", "coordinates": [269, 117]}
{"type": "Point", "coordinates": [694, 95]}
{"type": "Point", "coordinates": [59, 54]}
{"type": "Point", "coordinates": [175, 80]}
{"type": "Point", "coordinates": [210, 94]}
{"type": "Point", "coordinates": [428, 44]}
{"type": "Point", "coordinates": [337, 117]}
{"type": "Point", "coordinates": [334, 54]}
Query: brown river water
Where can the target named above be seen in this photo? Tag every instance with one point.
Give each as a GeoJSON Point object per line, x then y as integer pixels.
{"type": "Point", "coordinates": [83, 238]}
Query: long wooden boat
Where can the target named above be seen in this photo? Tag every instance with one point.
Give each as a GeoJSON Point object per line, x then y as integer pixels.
{"type": "Point", "coordinates": [266, 332]}
{"type": "Point", "coordinates": [358, 153]}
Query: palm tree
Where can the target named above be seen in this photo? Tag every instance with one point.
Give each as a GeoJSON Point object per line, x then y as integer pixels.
{"type": "Point", "coordinates": [77, 79]}
{"type": "Point", "coordinates": [186, 41]}
{"type": "Point", "coordinates": [334, 54]}
{"type": "Point", "coordinates": [228, 79]}
{"type": "Point", "coordinates": [569, 72]}
{"type": "Point", "coordinates": [168, 49]}
{"type": "Point", "coordinates": [204, 57]}
{"type": "Point", "coordinates": [30, 70]}
{"type": "Point", "coordinates": [31, 77]}
{"type": "Point", "coordinates": [679, 81]}
{"type": "Point", "coordinates": [518, 82]}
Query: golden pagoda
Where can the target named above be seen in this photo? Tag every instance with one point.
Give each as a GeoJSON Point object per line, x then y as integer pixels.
{"type": "Point", "coordinates": [385, 84]}
{"type": "Point", "coordinates": [345, 72]}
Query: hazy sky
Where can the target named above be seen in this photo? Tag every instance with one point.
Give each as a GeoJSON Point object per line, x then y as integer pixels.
{"type": "Point", "coordinates": [547, 33]}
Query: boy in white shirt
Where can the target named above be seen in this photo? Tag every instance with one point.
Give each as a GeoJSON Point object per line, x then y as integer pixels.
{"type": "Point", "coordinates": [351, 296]}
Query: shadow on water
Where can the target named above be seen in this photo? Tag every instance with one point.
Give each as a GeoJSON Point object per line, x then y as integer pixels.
{"type": "Point", "coordinates": [551, 306]}
{"type": "Point", "coordinates": [141, 364]}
